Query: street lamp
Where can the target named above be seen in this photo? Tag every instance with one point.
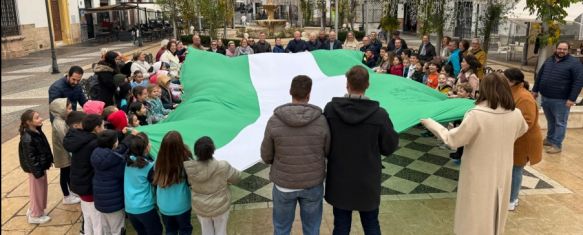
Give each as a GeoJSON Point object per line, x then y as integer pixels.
{"type": "Point", "coordinates": [55, 67]}
{"type": "Point", "coordinates": [336, 24]}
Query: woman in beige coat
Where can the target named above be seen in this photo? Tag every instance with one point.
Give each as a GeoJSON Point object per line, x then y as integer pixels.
{"type": "Point", "coordinates": [529, 147]}
{"type": "Point", "coordinates": [351, 43]}
{"type": "Point", "coordinates": [60, 108]}
{"type": "Point", "coordinates": [487, 133]}
{"type": "Point", "coordinates": [209, 180]}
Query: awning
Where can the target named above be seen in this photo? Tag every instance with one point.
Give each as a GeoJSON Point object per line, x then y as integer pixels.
{"type": "Point", "coordinates": [116, 7]}
{"type": "Point", "coordinates": [520, 14]}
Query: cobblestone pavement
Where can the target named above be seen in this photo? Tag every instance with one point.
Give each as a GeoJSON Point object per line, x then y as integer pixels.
{"type": "Point", "coordinates": [25, 81]}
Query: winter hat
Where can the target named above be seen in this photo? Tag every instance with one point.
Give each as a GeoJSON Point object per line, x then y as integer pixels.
{"type": "Point", "coordinates": [93, 107]}
{"type": "Point", "coordinates": [118, 79]}
{"type": "Point", "coordinates": [118, 119]}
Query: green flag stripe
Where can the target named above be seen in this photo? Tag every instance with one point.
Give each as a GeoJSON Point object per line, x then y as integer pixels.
{"type": "Point", "coordinates": [219, 101]}
{"type": "Point", "coordinates": [406, 101]}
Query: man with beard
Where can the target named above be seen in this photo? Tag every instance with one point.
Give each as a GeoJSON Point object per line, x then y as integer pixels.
{"type": "Point", "coordinates": [559, 82]}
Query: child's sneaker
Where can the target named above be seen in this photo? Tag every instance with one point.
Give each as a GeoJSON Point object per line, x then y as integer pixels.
{"type": "Point", "coordinates": [68, 200]}
{"type": "Point", "coordinates": [28, 211]}
{"type": "Point", "coordinates": [38, 220]}
{"type": "Point", "coordinates": [512, 206]}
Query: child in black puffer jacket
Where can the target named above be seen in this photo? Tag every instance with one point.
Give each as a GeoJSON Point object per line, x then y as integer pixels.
{"type": "Point", "coordinates": [35, 158]}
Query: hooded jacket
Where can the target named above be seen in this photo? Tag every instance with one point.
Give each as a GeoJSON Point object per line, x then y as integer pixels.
{"type": "Point", "coordinates": [81, 144]}
{"type": "Point", "coordinates": [296, 142]}
{"type": "Point", "coordinates": [167, 99]}
{"type": "Point", "coordinates": [34, 152]}
{"type": "Point", "coordinates": [109, 166]}
{"type": "Point", "coordinates": [106, 85]}
{"type": "Point", "coordinates": [58, 109]}
{"type": "Point", "coordinates": [361, 132]}
{"type": "Point", "coordinates": [209, 182]}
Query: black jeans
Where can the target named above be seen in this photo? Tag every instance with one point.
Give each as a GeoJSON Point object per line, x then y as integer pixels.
{"type": "Point", "coordinates": [65, 178]}
{"type": "Point", "coordinates": [177, 224]}
{"type": "Point", "coordinates": [343, 221]}
{"type": "Point", "coordinates": [146, 223]}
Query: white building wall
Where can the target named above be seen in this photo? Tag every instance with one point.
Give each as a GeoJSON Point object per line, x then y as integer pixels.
{"type": "Point", "coordinates": [74, 11]}
{"type": "Point", "coordinates": [32, 12]}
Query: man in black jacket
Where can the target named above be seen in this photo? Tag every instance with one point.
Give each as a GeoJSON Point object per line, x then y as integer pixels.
{"type": "Point", "coordinates": [322, 38]}
{"type": "Point", "coordinates": [361, 132]}
{"type": "Point", "coordinates": [296, 45]}
{"type": "Point", "coordinates": [426, 50]}
{"type": "Point", "coordinates": [262, 46]}
{"type": "Point", "coordinates": [215, 47]}
{"type": "Point", "coordinates": [559, 81]}
{"type": "Point", "coordinates": [396, 36]}
{"type": "Point", "coordinates": [367, 45]}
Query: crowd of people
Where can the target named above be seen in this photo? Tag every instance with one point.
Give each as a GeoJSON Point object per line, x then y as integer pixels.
{"type": "Point", "coordinates": [105, 164]}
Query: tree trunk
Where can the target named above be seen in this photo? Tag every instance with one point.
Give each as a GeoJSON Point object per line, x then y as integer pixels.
{"type": "Point", "coordinates": [175, 30]}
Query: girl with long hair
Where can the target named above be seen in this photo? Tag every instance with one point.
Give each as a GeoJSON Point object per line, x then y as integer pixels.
{"type": "Point", "coordinates": [173, 193]}
{"type": "Point", "coordinates": [35, 159]}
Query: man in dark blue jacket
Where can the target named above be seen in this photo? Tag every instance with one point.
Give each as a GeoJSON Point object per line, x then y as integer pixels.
{"type": "Point", "coordinates": [559, 81]}
{"type": "Point", "coordinates": [68, 87]}
{"type": "Point", "coordinates": [296, 45]}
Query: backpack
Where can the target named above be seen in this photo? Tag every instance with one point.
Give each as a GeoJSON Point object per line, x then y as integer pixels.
{"type": "Point", "coordinates": [90, 87]}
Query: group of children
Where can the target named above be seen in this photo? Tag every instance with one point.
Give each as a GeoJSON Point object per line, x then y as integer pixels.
{"type": "Point", "coordinates": [111, 171]}
{"type": "Point", "coordinates": [434, 73]}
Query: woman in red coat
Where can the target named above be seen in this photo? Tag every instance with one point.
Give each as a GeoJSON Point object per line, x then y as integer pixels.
{"type": "Point", "coordinates": [397, 68]}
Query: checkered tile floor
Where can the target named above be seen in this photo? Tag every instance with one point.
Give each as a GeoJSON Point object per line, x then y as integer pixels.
{"type": "Point", "coordinates": [419, 169]}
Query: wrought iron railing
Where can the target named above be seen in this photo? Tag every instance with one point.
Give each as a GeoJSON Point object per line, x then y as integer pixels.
{"type": "Point", "coordinates": [10, 25]}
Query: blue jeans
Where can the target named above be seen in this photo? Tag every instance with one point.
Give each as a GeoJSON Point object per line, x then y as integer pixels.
{"type": "Point", "coordinates": [177, 224]}
{"type": "Point", "coordinates": [284, 209]}
{"type": "Point", "coordinates": [146, 223]}
{"type": "Point", "coordinates": [516, 182]}
{"type": "Point", "coordinates": [557, 115]}
{"type": "Point", "coordinates": [343, 221]}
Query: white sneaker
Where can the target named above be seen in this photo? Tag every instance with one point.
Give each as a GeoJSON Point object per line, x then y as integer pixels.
{"type": "Point", "coordinates": [28, 211]}
{"type": "Point", "coordinates": [68, 200]}
{"type": "Point", "coordinates": [512, 205]}
{"type": "Point", "coordinates": [38, 220]}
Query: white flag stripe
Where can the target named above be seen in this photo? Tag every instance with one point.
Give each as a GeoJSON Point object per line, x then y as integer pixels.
{"type": "Point", "coordinates": [271, 75]}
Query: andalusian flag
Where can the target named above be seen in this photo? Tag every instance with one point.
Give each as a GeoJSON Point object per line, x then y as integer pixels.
{"type": "Point", "coordinates": [231, 99]}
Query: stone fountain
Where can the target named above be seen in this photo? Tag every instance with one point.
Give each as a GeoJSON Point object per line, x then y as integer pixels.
{"type": "Point", "coordinates": [271, 23]}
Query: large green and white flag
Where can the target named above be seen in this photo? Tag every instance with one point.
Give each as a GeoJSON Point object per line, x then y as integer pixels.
{"type": "Point", "coordinates": [231, 99]}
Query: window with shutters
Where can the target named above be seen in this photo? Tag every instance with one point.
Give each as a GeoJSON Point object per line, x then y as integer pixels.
{"type": "Point", "coordinates": [9, 19]}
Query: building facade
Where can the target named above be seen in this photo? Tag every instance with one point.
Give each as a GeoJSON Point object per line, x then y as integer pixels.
{"type": "Point", "coordinates": [25, 24]}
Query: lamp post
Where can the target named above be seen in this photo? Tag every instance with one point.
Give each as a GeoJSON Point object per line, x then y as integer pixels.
{"type": "Point", "coordinates": [336, 17]}
{"type": "Point", "coordinates": [55, 67]}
